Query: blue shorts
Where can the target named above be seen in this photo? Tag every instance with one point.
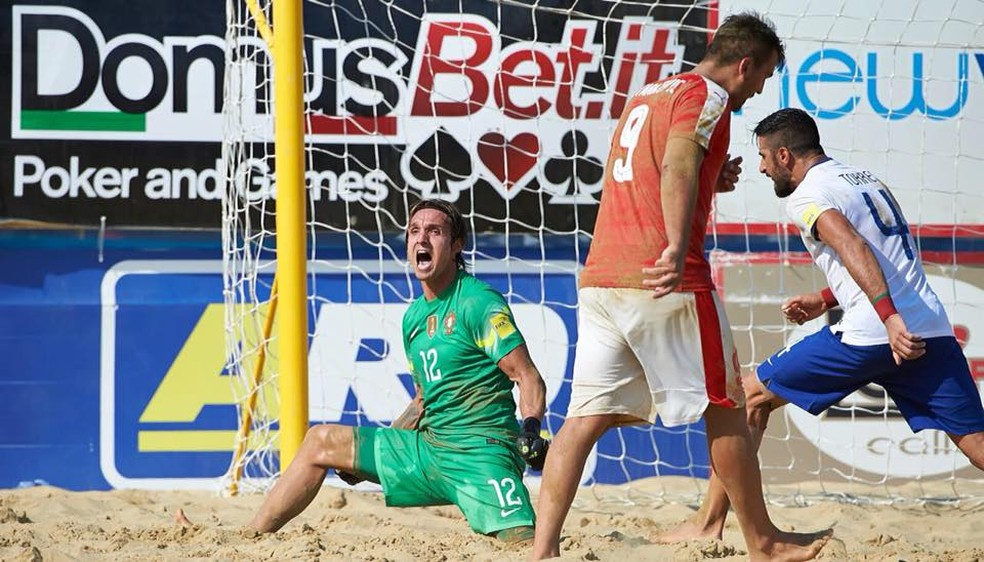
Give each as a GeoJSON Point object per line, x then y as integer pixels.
{"type": "Point", "coordinates": [935, 391]}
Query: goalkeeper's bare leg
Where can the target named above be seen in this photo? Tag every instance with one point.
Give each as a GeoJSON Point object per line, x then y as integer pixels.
{"type": "Point", "coordinates": [324, 446]}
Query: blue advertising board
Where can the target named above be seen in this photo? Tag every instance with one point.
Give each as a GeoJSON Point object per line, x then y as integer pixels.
{"type": "Point", "coordinates": [116, 371]}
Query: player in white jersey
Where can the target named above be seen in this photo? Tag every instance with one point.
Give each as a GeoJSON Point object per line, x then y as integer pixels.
{"type": "Point", "coordinates": [894, 331]}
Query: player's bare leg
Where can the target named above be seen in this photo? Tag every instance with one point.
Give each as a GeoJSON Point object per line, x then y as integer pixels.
{"type": "Point", "coordinates": [733, 457]}
{"type": "Point", "coordinates": [708, 522]}
{"type": "Point", "coordinates": [561, 476]}
{"type": "Point", "coordinates": [324, 446]}
{"type": "Point", "coordinates": [972, 445]}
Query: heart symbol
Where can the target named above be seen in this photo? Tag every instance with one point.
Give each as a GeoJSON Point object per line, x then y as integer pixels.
{"type": "Point", "coordinates": [509, 160]}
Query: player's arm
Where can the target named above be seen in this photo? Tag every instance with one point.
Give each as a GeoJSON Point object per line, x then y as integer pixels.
{"type": "Point", "coordinates": [411, 416]}
{"type": "Point", "coordinates": [806, 307]}
{"type": "Point", "coordinates": [519, 367]}
{"type": "Point", "coordinates": [415, 409]}
{"type": "Point", "coordinates": [837, 232]}
{"type": "Point", "coordinates": [680, 171]}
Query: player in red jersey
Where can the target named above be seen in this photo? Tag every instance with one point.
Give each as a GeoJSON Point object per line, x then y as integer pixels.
{"type": "Point", "coordinates": [653, 338]}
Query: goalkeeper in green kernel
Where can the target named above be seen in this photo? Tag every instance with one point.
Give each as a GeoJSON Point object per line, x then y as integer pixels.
{"type": "Point", "coordinates": [458, 441]}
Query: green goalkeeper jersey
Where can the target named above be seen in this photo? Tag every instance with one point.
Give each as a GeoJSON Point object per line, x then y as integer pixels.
{"type": "Point", "coordinates": [454, 344]}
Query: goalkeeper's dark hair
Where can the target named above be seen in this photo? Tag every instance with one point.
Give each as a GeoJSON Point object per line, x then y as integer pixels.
{"type": "Point", "coordinates": [748, 34]}
{"type": "Point", "coordinates": [792, 128]}
{"type": "Point", "coordinates": [459, 228]}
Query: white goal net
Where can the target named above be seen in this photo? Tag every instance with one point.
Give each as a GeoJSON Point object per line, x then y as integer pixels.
{"type": "Point", "coordinates": [506, 109]}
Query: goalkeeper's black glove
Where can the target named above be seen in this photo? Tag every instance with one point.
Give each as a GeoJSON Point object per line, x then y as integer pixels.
{"type": "Point", "coordinates": [532, 447]}
{"type": "Point", "coordinates": [348, 477]}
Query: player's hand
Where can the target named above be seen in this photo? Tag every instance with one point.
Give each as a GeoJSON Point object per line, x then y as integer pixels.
{"type": "Point", "coordinates": [665, 275]}
{"type": "Point", "coordinates": [532, 447]}
{"type": "Point", "coordinates": [803, 308]}
{"type": "Point", "coordinates": [729, 175]}
{"type": "Point", "coordinates": [349, 478]}
{"type": "Point", "coordinates": [905, 346]}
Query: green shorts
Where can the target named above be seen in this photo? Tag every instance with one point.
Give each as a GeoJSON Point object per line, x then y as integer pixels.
{"type": "Point", "coordinates": [484, 478]}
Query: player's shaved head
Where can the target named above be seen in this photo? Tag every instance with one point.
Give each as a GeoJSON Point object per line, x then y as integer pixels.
{"type": "Point", "coordinates": [459, 229]}
{"type": "Point", "coordinates": [791, 128]}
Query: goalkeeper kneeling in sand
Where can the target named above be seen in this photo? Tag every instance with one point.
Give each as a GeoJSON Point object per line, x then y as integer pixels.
{"type": "Point", "coordinates": [458, 441]}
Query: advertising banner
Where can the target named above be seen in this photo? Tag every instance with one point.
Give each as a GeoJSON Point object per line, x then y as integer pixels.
{"type": "Point", "coordinates": [896, 88]}
{"type": "Point", "coordinates": [116, 372]}
{"type": "Point", "coordinates": [501, 107]}
{"type": "Point", "coordinates": [118, 113]}
{"type": "Point", "coordinates": [168, 417]}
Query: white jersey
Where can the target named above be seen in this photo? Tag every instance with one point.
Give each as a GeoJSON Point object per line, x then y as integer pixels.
{"type": "Point", "coordinates": [872, 210]}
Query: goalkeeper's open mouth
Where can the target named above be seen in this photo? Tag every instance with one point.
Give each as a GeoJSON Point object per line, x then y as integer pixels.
{"type": "Point", "coordinates": [423, 260]}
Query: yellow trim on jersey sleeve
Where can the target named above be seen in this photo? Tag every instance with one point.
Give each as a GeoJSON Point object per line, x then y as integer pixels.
{"type": "Point", "coordinates": [502, 325]}
{"type": "Point", "coordinates": [810, 215]}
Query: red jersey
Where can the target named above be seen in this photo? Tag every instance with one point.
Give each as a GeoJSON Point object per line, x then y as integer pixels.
{"type": "Point", "coordinates": [630, 233]}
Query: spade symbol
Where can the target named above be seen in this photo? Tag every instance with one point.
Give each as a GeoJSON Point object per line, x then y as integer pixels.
{"type": "Point", "coordinates": [575, 164]}
{"type": "Point", "coordinates": [442, 164]}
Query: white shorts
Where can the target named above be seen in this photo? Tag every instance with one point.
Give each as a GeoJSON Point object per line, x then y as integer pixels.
{"type": "Point", "coordinates": [638, 356]}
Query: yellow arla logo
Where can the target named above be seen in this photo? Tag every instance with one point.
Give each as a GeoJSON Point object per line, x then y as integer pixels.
{"type": "Point", "coordinates": [195, 380]}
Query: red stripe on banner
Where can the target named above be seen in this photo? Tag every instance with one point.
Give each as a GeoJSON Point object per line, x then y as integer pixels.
{"type": "Point", "coordinates": [977, 368]}
{"type": "Point", "coordinates": [720, 260]}
{"type": "Point", "coordinates": [947, 230]}
{"type": "Point", "coordinates": [751, 229]}
{"type": "Point", "coordinates": [715, 373]}
{"type": "Point", "coordinates": [953, 258]}
{"type": "Point", "coordinates": [335, 125]}
{"type": "Point", "coordinates": [917, 230]}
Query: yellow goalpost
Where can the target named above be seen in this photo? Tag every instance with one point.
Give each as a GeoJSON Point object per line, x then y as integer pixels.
{"type": "Point", "coordinates": [288, 296]}
{"type": "Point", "coordinates": [291, 274]}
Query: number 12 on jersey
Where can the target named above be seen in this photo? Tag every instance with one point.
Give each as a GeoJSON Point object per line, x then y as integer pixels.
{"type": "Point", "coordinates": [428, 359]}
{"type": "Point", "coordinates": [628, 139]}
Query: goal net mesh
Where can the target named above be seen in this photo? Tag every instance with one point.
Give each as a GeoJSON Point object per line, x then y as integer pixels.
{"type": "Point", "coordinates": [506, 109]}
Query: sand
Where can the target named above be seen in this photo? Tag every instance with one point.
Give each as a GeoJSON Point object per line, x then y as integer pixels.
{"type": "Point", "coordinates": [50, 524]}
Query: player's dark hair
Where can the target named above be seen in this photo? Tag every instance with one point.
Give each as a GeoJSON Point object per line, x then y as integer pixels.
{"type": "Point", "coordinates": [748, 34]}
{"type": "Point", "coordinates": [459, 228]}
{"type": "Point", "coordinates": [792, 128]}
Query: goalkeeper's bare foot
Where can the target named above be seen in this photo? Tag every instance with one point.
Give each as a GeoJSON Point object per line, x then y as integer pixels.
{"type": "Point", "coordinates": [181, 519]}
{"type": "Point", "coordinates": [793, 547]}
{"type": "Point", "coordinates": [692, 529]}
{"type": "Point", "coordinates": [516, 535]}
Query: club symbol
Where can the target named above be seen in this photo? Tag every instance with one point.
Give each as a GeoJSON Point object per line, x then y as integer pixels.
{"type": "Point", "coordinates": [575, 170]}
